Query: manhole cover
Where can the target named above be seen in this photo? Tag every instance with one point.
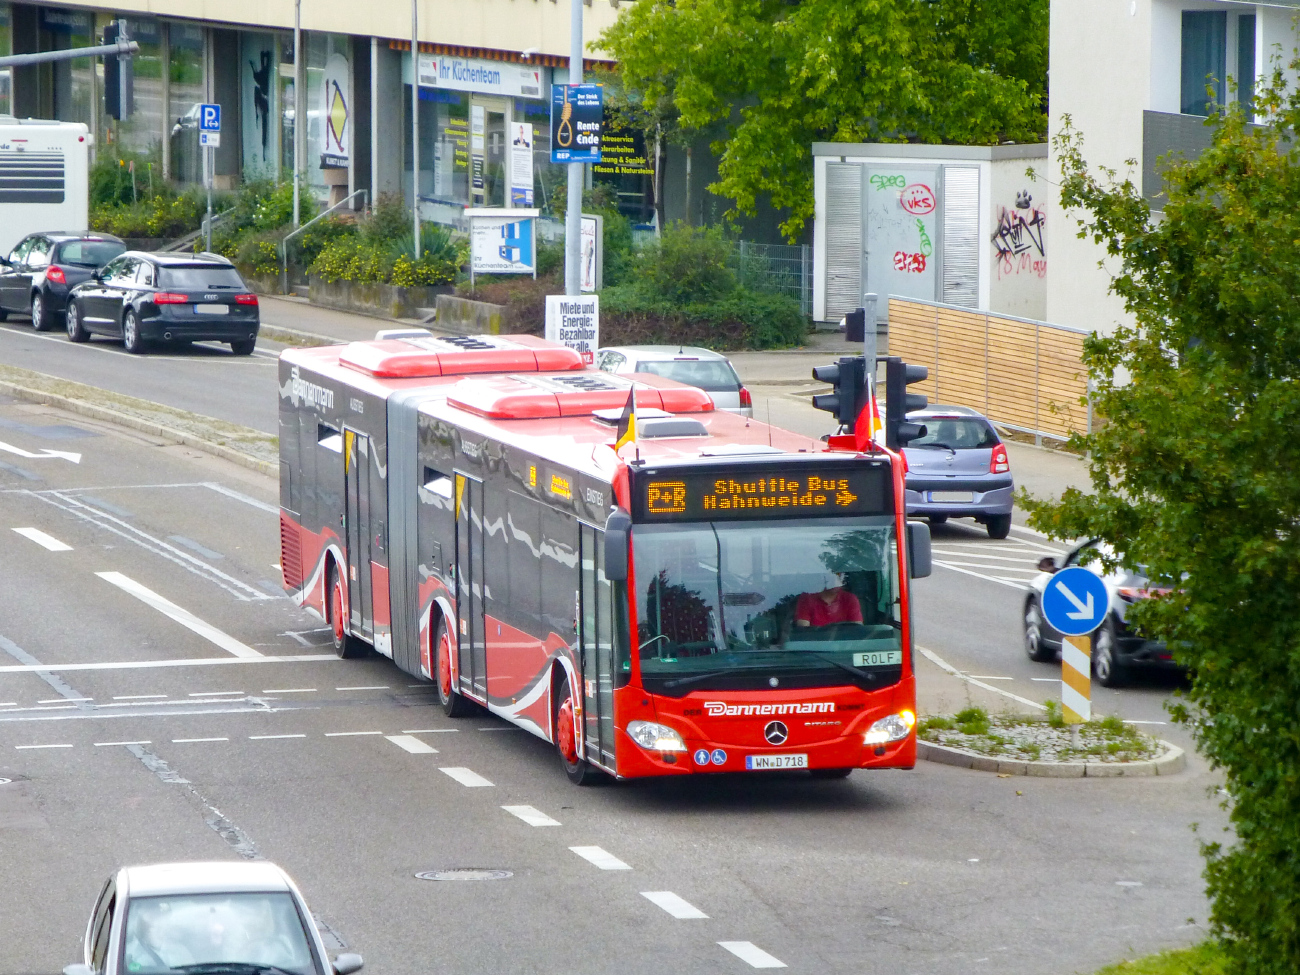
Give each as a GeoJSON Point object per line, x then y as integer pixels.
{"type": "Point", "coordinates": [465, 873]}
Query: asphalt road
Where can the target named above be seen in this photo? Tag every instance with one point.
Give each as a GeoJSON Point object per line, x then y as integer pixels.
{"type": "Point", "coordinates": [195, 714]}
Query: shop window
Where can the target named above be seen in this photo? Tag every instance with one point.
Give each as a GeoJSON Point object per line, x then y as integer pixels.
{"type": "Point", "coordinates": [185, 70]}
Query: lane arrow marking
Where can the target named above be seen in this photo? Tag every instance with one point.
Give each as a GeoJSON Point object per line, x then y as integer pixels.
{"type": "Point", "coordinates": [1084, 608]}
{"type": "Point", "coordinates": [45, 453]}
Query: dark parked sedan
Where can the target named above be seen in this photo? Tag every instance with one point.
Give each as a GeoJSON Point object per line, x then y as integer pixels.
{"type": "Point", "coordinates": [171, 298]}
{"type": "Point", "coordinates": [38, 274]}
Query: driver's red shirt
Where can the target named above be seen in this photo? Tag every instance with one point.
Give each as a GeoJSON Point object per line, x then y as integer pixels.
{"type": "Point", "coordinates": [814, 610]}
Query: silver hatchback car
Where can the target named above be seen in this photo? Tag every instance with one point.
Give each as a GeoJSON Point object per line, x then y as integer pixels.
{"type": "Point", "coordinates": [701, 368]}
{"type": "Point", "coordinates": [959, 469]}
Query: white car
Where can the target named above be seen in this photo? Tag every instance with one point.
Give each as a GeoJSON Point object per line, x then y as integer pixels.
{"type": "Point", "coordinates": [685, 364]}
{"type": "Point", "coordinates": [234, 918]}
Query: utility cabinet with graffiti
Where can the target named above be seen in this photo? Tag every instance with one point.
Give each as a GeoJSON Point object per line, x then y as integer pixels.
{"type": "Point", "coordinates": [960, 225]}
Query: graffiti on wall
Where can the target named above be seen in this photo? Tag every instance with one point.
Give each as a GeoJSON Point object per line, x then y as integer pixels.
{"type": "Point", "coordinates": [1018, 239]}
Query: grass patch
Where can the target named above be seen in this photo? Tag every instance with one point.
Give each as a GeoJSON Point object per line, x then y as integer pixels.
{"type": "Point", "coordinates": [1206, 958]}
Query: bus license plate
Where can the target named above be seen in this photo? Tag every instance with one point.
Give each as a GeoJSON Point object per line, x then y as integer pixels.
{"type": "Point", "coordinates": [758, 762]}
{"type": "Point", "coordinates": [212, 309]}
{"type": "Point", "coordinates": [952, 497]}
{"type": "Point", "coordinates": [878, 658]}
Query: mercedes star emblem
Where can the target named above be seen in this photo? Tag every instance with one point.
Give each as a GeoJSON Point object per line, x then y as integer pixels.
{"type": "Point", "coordinates": [776, 733]}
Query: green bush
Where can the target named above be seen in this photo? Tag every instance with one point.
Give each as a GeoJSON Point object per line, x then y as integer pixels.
{"type": "Point", "coordinates": [741, 320]}
{"type": "Point", "coordinates": [160, 216]}
{"type": "Point", "coordinates": [972, 721]}
{"type": "Point", "coordinates": [357, 259]}
{"type": "Point", "coordinates": [112, 182]}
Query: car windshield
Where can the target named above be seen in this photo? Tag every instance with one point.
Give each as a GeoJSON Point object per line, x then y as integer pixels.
{"type": "Point", "coordinates": [200, 277]}
{"type": "Point", "coordinates": [711, 375]}
{"type": "Point", "coordinates": [88, 253]}
{"type": "Point", "coordinates": [244, 929]}
{"type": "Point", "coordinates": [959, 433]}
{"type": "Point", "coordinates": [738, 605]}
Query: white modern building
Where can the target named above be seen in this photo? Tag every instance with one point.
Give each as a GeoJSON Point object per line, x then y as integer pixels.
{"type": "Point", "coordinates": [1131, 75]}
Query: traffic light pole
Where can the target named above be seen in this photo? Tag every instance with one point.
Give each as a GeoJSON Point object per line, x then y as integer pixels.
{"type": "Point", "coordinates": [126, 48]}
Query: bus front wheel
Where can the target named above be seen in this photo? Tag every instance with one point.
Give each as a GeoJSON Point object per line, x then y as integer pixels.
{"type": "Point", "coordinates": [453, 704]}
{"type": "Point", "coordinates": [579, 771]}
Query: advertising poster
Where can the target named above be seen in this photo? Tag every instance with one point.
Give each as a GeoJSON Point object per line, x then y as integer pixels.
{"type": "Point", "coordinates": [575, 323]}
{"type": "Point", "coordinates": [593, 228]}
{"type": "Point", "coordinates": [336, 113]}
{"type": "Point", "coordinates": [502, 241]}
{"type": "Point", "coordinates": [521, 164]}
{"type": "Point", "coordinates": [576, 116]}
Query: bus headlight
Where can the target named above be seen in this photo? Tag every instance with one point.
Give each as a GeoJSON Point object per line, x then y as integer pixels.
{"type": "Point", "coordinates": [893, 727]}
{"type": "Point", "coordinates": [655, 737]}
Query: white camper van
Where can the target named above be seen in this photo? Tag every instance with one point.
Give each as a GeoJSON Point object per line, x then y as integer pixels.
{"type": "Point", "coordinates": [44, 178]}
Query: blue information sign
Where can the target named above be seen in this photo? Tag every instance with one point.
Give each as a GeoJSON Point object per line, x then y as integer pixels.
{"type": "Point", "coordinates": [209, 118]}
{"type": "Point", "coordinates": [576, 115]}
{"type": "Point", "coordinates": [1075, 601]}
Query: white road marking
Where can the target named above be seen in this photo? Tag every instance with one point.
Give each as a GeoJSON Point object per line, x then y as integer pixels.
{"type": "Point", "coordinates": [431, 731]}
{"type": "Point", "coordinates": [290, 690]}
{"type": "Point", "coordinates": [45, 454]}
{"type": "Point", "coordinates": [105, 744]}
{"type": "Point", "coordinates": [678, 907]}
{"type": "Point", "coordinates": [8, 704]}
{"type": "Point", "coordinates": [136, 697]}
{"type": "Point", "coordinates": [412, 744]}
{"type": "Point", "coordinates": [64, 700]}
{"type": "Point", "coordinates": [213, 693]}
{"type": "Point", "coordinates": [942, 664]}
{"type": "Point", "coordinates": [1047, 680]}
{"type": "Point", "coordinates": [1130, 721]}
{"type": "Point", "coordinates": [979, 677]}
{"type": "Point", "coordinates": [182, 616]}
{"type": "Point", "coordinates": [600, 858]}
{"type": "Point", "coordinates": [350, 734]}
{"type": "Point", "coordinates": [269, 737]}
{"type": "Point", "coordinates": [531, 816]}
{"type": "Point", "coordinates": [305, 658]}
{"type": "Point", "coordinates": [373, 687]}
{"type": "Point", "coordinates": [752, 955]}
{"type": "Point", "coordinates": [222, 489]}
{"type": "Point", "coordinates": [25, 747]}
{"type": "Point", "coordinates": [466, 777]}
{"type": "Point", "coordinates": [980, 575]}
{"type": "Point", "coordinates": [187, 741]}
{"type": "Point", "coordinates": [45, 541]}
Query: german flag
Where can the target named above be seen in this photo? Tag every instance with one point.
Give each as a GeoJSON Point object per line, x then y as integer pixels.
{"type": "Point", "coordinates": [627, 421]}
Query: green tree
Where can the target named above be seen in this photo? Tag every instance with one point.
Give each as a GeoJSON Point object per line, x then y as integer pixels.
{"type": "Point", "coordinates": [779, 76]}
{"type": "Point", "coordinates": [1196, 474]}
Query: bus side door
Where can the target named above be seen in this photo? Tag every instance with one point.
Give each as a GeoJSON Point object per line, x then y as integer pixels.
{"type": "Point", "coordinates": [356, 467]}
{"type": "Point", "coordinates": [596, 641]}
{"type": "Point", "coordinates": [472, 649]}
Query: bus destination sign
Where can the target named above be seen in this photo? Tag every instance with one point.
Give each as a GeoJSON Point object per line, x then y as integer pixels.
{"type": "Point", "coordinates": [792, 491]}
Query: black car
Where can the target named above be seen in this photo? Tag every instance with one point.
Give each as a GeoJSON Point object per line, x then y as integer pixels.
{"type": "Point", "coordinates": [38, 274]}
{"type": "Point", "coordinates": [171, 298]}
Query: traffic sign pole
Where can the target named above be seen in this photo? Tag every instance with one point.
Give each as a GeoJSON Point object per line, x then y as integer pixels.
{"type": "Point", "coordinates": [1076, 680]}
{"type": "Point", "coordinates": [209, 138]}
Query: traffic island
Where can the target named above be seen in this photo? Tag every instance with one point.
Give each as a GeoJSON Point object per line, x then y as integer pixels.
{"type": "Point", "coordinates": [1044, 746]}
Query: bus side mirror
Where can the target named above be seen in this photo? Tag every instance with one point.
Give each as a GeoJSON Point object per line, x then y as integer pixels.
{"type": "Point", "coordinates": [918, 549]}
{"type": "Point", "coordinates": [618, 539]}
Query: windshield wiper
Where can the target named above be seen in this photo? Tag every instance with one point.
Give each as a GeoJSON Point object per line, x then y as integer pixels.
{"type": "Point", "coordinates": [679, 681]}
{"type": "Point", "coordinates": [864, 681]}
{"type": "Point", "coordinates": [940, 446]}
{"type": "Point", "coordinates": [233, 967]}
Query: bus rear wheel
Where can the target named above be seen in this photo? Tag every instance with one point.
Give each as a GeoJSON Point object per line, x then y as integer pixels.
{"type": "Point", "coordinates": [345, 645]}
{"type": "Point", "coordinates": [578, 769]}
{"type": "Point", "coordinates": [453, 704]}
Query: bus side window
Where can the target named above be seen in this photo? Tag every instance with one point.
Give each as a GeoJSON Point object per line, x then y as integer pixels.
{"type": "Point", "coordinates": [438, 483]}
{"type": "Point", "coordinates": [329, 438]}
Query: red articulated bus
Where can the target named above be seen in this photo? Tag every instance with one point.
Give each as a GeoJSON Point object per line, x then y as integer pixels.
{"type": "Point", "coordinates": [716, 596]}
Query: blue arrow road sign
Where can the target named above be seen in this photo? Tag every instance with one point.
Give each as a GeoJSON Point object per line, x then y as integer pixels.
{"type": "Point", "coordinates": [209, 118]}
{"type": "Point", "coordinates": [1075, 601]}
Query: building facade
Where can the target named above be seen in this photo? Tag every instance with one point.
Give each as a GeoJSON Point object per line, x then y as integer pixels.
{"type": "Point", "coordinates": [339, 102]}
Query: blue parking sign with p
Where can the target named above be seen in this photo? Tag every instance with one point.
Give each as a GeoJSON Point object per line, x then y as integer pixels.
{"type": "Point", "coordinates": [210, 118]}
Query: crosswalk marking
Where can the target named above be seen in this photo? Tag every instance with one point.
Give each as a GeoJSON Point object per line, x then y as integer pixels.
{"type": "Point", "coordinates": [752, 955]}
{"type": "Point", "coordinates": [466, 777]}
{"type": "Point", "coordinates": [412, 744]}
{"type": "Point", "coordinates": [600, 858]}
{"type": "Point", "coordinates": [677, 906]}
{"type": "Point", "coordinates": [45, 541]}
{"type": "Point", "coordinates": [531, 816]}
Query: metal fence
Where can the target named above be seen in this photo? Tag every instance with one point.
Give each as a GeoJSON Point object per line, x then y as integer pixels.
{"type": "Point", "coordinates": [783, 268]}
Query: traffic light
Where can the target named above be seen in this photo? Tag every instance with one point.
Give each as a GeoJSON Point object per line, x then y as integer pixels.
{"type": "Point", "coordinates": [899, 402]}
{"type": "Point", "coordinates": [119, 75]}
{"type": "Point", "coordinates": [848, 378]}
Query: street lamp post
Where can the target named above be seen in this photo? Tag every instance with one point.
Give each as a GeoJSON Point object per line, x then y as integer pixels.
{"type": "Point", "coordinates": [573, 216]}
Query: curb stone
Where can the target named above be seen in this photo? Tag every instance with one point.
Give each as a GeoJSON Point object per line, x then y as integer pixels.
{"type": "Point", "coordinates": [142, 426]}
{"type": "Point", "coordinates": [1170, 762]}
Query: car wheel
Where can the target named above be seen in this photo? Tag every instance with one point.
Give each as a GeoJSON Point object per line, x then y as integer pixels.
{"type": "Point", "coordinates": [131, 340]}
{"type": "Point", "coordinates": [999, 526]}
{"type": "Point", "coordinates": [243, 346]}
{"type": "Point", "coordinates": [41, 317]}
{"type": "Point", "coordinates": [453, 703]}
{"type": "Point", "coordinates": [1035, 646]}
{"type": "Point", "coordinates": [4, 313]}
{"type": "Point", "coordinates": [1105, 660]}
{"type": "Point", "coordinates": [76, 331]}
{"type": "Point", "coordinates": [937, 519]}
{"type": "Point", "coordinates": [345, 645]}
{"type": "Point", "coordinates": [830, 773]}
{"type": "Point", "coordinates": [577, 768]}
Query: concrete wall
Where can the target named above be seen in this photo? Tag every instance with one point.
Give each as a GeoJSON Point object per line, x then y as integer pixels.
{"type": "Point", "coordinates": [1017, 243]}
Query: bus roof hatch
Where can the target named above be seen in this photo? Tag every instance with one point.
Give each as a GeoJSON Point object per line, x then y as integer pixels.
{"type": "Point", "coordinates": [542, 397]}
{"type": "Point", "coordinates": [458, 355]}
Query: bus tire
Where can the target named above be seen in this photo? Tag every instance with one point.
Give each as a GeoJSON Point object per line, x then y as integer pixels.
{"type": "Point", "coordinates": [453, 703]}
{"type": "Point", "coordinates": [831, 773]}
{"type": "Point", "coordinates": [345, 645]}
{"type": "Point", "coordinates": [577, 768]}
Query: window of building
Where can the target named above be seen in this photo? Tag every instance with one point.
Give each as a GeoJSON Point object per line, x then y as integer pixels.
{"type": "Point", "coordinates": [185, 71]}
{"type": "Point", "coordinates": [142, 131]}
{"type": "Point", "coordinates": [1246, 62]}
{"type": "Point", "coordinates": [1204, 60]}
{"type": "Point", "coordinates": [550, 181]}
{"type": "Point", "coordinates": [6, 48]}
{"type": "Point", "coordinates": [66, 86]}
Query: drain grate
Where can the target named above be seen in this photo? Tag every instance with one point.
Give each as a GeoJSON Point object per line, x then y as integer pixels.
{"type": "Point", "coordinates": [465, 873]}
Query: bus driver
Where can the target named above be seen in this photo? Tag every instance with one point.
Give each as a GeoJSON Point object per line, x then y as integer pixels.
{"type": "Point", "coordinates": [834, 604]}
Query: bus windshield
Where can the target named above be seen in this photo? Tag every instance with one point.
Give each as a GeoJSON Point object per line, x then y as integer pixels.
{"type": "Point", "coordinates": [739, 605]}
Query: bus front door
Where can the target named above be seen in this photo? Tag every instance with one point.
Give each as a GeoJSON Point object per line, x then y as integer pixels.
{"type": "Point", "coordinates": [596, 641]}
{"type": "Point", "coordinates": [472, 650]}
{"type": "Point", "coordinates": [356, 466]}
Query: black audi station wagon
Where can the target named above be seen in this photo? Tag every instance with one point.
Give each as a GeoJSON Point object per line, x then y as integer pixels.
{"type": "Point", "coordinates": [171, 298]}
